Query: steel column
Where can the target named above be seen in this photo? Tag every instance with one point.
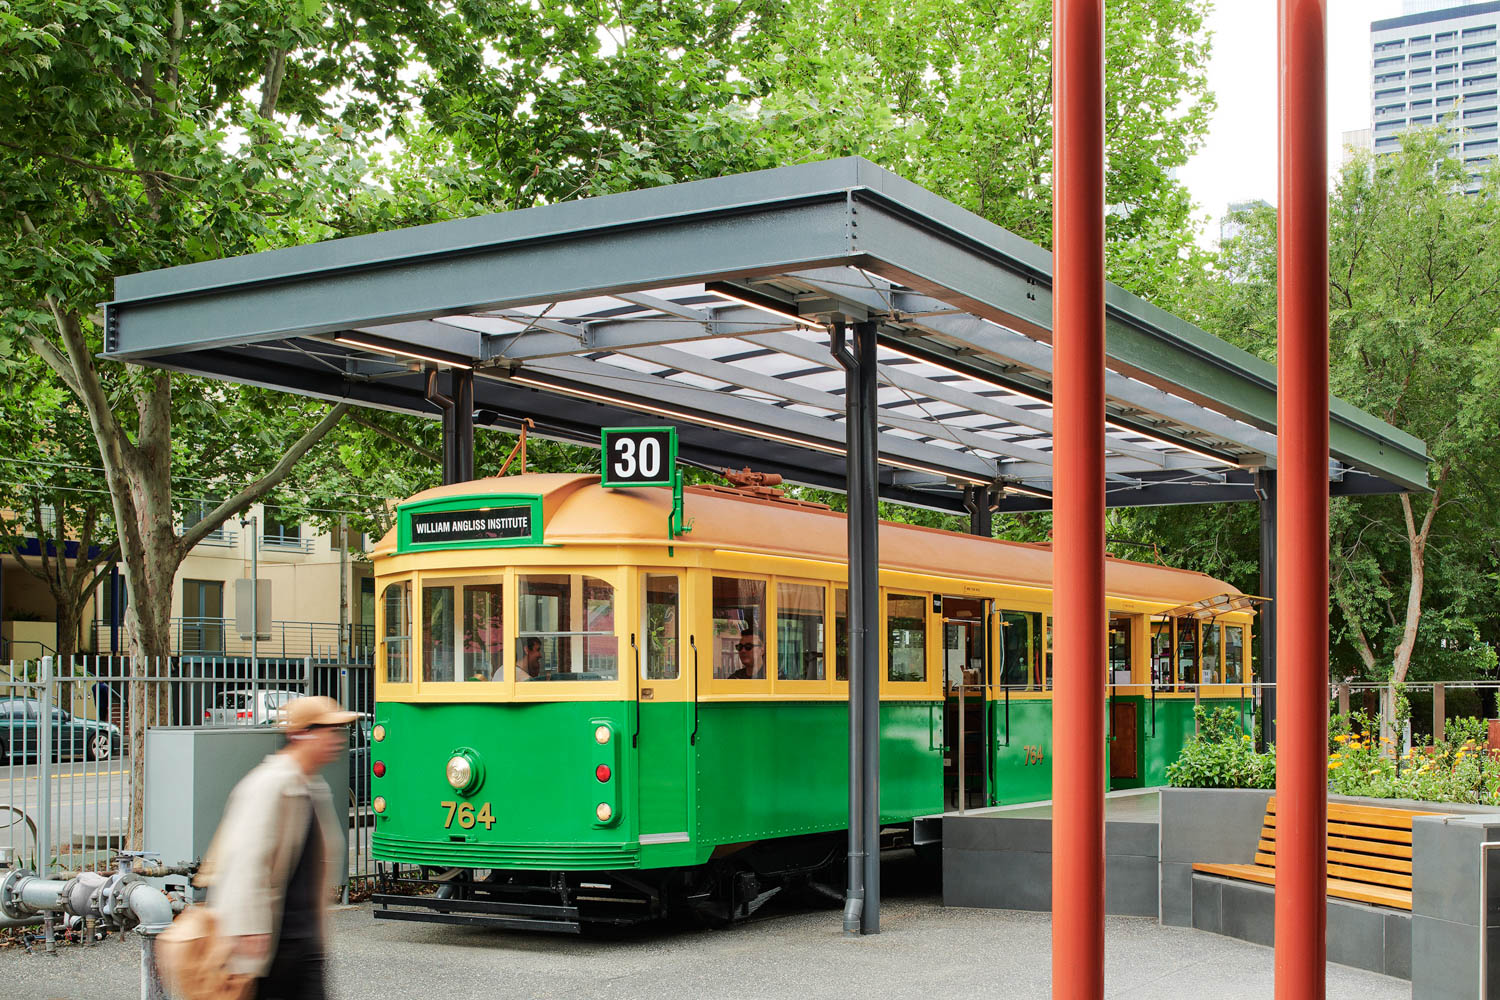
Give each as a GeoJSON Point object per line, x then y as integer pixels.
{"type": "Point", "coordinates": [1265, 488]}
{"type": "Point", "coordinates": [854, 895]}
{"type": "Point", "coordinates": [1078, 499]}
{"type": "Point", "coordinates": [1302, 421]}
{"type": "Point", "coordinates": [462, 444]}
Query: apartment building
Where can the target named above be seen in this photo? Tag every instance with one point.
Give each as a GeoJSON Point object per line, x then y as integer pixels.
{"type": "Point", "coordinates": [1436, 64]}
{"type": "Point", "coordinates": [322, 595]}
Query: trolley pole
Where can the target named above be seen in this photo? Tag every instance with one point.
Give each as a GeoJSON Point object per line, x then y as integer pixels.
{"type": "Point", "coordinates": [1302, 506]}
{"type": "Point", "coordinates": [1078, 499]}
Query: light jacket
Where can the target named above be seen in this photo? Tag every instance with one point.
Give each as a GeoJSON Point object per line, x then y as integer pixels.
{"type": "Point", "coordinates": [258, 842]}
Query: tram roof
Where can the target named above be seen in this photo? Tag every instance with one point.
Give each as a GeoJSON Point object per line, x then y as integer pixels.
{"type": "Point", "coordinates": [577, 511]}
{"type": "Point", "coordinates": [708, 305]}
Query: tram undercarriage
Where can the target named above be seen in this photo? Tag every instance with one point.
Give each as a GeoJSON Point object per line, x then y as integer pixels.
{"type": "Point", "coordinates": [732, 886]}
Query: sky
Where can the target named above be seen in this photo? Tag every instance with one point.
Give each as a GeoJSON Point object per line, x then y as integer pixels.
{"type": "Point", "coordinates": [1238, 159]}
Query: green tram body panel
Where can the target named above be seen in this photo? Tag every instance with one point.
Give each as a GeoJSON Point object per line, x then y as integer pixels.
{"type": "Point", "coordinates": [757, 770]}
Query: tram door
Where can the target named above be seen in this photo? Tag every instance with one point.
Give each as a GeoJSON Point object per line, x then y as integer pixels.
{"type": "Point", "coordinates": [966, 681]}
{"type": "Point", "coordinates": [664, 661]}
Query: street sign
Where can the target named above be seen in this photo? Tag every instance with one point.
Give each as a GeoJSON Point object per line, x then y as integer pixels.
{"type": "Point", "coordinates": [638, 456]}
{"type": "Point", "coordinates": [259, 601]}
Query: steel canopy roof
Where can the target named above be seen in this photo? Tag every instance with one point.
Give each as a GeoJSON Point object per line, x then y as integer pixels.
{"type": "Point", "coordinates": [710, 304]}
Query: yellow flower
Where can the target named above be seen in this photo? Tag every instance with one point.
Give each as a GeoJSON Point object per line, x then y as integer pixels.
{"type": "Point", "coordinates": [1334, 763]}
{"type": "Point", "coordinates": [1342, 737]}
{"type": "Point", "coordinates": [1246, 738]}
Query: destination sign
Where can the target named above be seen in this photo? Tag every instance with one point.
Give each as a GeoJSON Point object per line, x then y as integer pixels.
{"type": "Point", "coordinates": [481, 525]}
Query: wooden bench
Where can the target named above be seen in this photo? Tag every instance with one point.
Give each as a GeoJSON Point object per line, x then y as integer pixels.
{"type": "Point", "coordinates": [1369, 854]}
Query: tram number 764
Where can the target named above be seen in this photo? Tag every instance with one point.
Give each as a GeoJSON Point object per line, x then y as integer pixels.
{"type": "Point", "coordinates": [466, 816]}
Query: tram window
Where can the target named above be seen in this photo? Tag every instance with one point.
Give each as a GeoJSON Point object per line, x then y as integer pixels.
{"type": "Point", "coordinates": [484, 641]}
{"type": "Point", "coordinates": [397, 633]}
{"type": "Point", "coordinates": [840, 634]}
{"type": "Point", "coordinates": [799, 632]}
{"type": "Point", "coordinates": [1047, 677]}
{"type": "Point", "coordinates": [1161, 653]}
{"type": "Point", "coordinates": [739, 628]}
{"type": "Point", "coordinates": [566, 629]}
{"type": "Point", "coordinates": [437, 634]}
{"type": "Point", "coordinates": [1211, 673]}
{"type": "Point", "coordinates": [1120, 630]}
{"type": "Point", "coordinates": [1187, 652]}
{"type": "Point", "coordinates": [906, 642]}
{"type": "Point", "coordinates": [1020, 667]}
{"type": "Point", "coordinates": [1234, 654]}
{"type": "Point", "coordinates": [660, 628]}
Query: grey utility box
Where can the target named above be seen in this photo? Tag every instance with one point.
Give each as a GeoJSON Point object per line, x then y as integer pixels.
{"type": "Point", "coordinates": [189, 774]}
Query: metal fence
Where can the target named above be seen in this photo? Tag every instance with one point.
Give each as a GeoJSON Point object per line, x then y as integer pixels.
{"type": "Point", "coordinates": [67, 789]}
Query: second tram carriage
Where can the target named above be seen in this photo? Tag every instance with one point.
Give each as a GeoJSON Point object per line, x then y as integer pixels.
{"type": "Point", "coordinates": [581, 719]}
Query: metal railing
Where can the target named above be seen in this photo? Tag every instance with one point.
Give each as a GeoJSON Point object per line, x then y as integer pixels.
{"type": "Point", "coordinates": [220, 637]}
{"type": "Point", "coordinates": [67, 790]}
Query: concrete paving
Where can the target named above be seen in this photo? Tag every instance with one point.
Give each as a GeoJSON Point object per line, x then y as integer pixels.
{"type": "Point", "coordinates": [925, 952]}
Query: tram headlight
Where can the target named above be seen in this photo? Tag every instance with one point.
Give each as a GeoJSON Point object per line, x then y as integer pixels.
{"type": "Point", "coordinates": [379, 804]}
{"type": "Point", "coordinates": [604, 812]}
{"type": "Point", "coordinates": [460, 772]}
{"type": "Point", "coordinates": [601, 735]}
{"type": "Point", "coordinates": [378, 734]}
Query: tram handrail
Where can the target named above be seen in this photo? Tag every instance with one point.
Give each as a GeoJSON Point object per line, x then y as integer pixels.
{"type": "Point", "coordinates": [693, 645]}
{"type": "Point", "coordinates": [635, 737]}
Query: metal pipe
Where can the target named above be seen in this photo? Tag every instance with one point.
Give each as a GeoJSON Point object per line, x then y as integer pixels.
{"type": "Point", "coordinates": [446, 405]}
{"type": "Point", "coordinates": [44, 771]}
{"type": "Point", "coordinates": [1265, 485]}
{"type": "Point", "coordinates": [461, 383]}
{"type": "Point", "coordinates": [869, 648]}
{"type": "Point", "coordinates": [1078, 499]}
{"type": "Point", "coordinates": [854, 897]}
{"type": "Point", "coordinates": [1302, 507]}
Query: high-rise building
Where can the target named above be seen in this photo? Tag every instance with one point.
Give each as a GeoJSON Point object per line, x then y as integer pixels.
{"type": "Point", "coordinates": [1434, 65]}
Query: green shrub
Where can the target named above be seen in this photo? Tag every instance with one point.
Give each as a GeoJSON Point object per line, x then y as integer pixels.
{"type": "Point", "coordinates": [1222, 755]}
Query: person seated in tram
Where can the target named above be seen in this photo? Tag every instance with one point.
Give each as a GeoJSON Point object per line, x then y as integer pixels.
{"type": "Point", "coordinates": [529, 667]}
{"type": "Point", "coordinates": [752, 655]}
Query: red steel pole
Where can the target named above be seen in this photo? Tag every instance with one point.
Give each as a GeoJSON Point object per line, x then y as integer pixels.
{"type": "Point", "coordinates": [1302, 504]}
{"type": "Point", "coordinates": [1078, 499]}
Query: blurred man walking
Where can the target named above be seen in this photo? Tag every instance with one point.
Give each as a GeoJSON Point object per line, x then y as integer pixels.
{"type": "Point", "coordinates": [274, 860]}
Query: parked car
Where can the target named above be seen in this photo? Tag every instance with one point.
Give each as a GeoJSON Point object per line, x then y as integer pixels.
{"type": "Point", "coordinates": [359, 761]}
{"type": "Point", "coordinates": [247, 706]}
{"type": "Point", "coordinates": [72, 737]}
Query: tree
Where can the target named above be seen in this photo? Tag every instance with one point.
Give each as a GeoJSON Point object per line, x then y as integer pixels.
{"type": "Point", "coordinates": [1414, 266]}
{"type": "Point", "coordinates": [50, 486]}
{"type": "Point", "coordinates": [956, 95]}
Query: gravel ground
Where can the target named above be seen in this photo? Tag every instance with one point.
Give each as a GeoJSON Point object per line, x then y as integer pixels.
{"type": "Point", "coordinates": [924, 951]}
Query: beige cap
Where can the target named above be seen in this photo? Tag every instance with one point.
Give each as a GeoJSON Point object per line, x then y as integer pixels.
{"type": "Point", "coordinates": [319, 710]}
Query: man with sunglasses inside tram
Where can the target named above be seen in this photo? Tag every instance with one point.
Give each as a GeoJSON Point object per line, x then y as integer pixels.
{"type": "Point", "coordinates": [752, 655]}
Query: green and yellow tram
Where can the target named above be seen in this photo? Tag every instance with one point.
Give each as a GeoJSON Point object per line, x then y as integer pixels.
{"type": "Point", "coordinates": [580, 718]}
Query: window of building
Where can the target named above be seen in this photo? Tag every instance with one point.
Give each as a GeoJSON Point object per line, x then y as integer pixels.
{"type": "Point", "coordinates": [660, 628]}
{"type": "Point", "coordinates": [1447, 70]}
{"type": "Point", "coordinates": [906, 637]}
{"type": "Point", "coordinates": [1390, 77]}
{"type": "Point", "coordinates": [1445, 36]}
{"type": "Point", "coordinates": [1234, 654]}
{"type": "Point", "coordinates": [1421, 88]}
{"type": "Point", "coordinates": [280, 529]}
{"type": "Point", "coordinates": [1420, 39]}
{"type": "Point", "coordinates": [1450, 52]}
{"type": "Point", "coordinates": [1390, 126]}
{"type": "Point", "coordinates": [1481, 131]}
{"type": "Point", "coordinates": [1388, 141]}
{"type": "Point", "coordinates": [739, 610]}
{"type": "Point", "coordinates": [1422, 74]}
{"type": "Point", "coordinates": [1421, 105]}
{"type": "Point", "coordinates": [1479, 81]}
{"type": "Point", "coordinates": [1424, 120]}
{"type": "Point", "coordinates": [1482, 31]}
{"type": "Point", "coordinates": [1389, 61]}
{"type": "Point", "coordinates": [1480, 63]}
{"type": "Point", "coordinates": [1388, 46]}
{"type": "Point", "coordinates": [799, 632]}
{"type": "Point", "coordinates": [1390, 92]}
{"type": "Point", "coordinates": [1020, 649]}
{"type": "Point", "coordinates": [1444, 102]}
{"type": "Point", "coordinates": [1483, 48]}
{"type": "Point", "coordinates": [1479, 112]}
{"type": "Point", "coordinates": [1447, 85]}
{"type": "Point", "coordinates": [566, 628]}
{"type": "Point", "coordinates": [395, 640]}
{"type": "Point", "coordinates": [202, 627]}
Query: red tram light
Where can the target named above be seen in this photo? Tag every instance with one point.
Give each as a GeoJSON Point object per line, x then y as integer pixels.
{"type": "Point", "coordinates": [379, 769]}
{"type": "Point", "coordinates": [602, 772]}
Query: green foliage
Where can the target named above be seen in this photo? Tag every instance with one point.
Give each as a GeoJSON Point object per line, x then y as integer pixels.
{"type": "Point", "coordinates": [1457, 768]}
{"type": "Point", "coordinates": [1221, 755]}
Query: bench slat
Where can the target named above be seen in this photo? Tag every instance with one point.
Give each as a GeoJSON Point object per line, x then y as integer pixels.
{"type": "Point", "coordinates": [1359, 892]}
{"type": "Point", "coordinates": [1393, 857]}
